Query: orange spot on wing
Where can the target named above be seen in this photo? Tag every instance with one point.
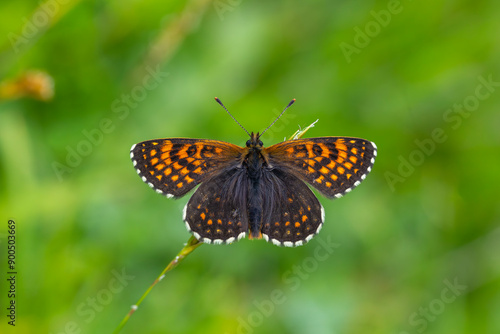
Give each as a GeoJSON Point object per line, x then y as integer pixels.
{"type": "Point", "coordinates": [209, 222]}
{"type": "Point", "coordinates": [334, 177]}
{"type": "Point", "coordinates": [160, 166]}
{"type": "Point", "coordinates": [153, 152]}
{"type": "Point", "coordinates": [175, 177]}
{"type": "Point", "coordinates": [353, 159]}
{"type": "Point", "coordinates": [328, 184]}
{"type": "Point", "coordinates": [159, 177]}
{"type": "Point", "coordinates": [166, 147]}
{"type": "Point", "coordinates": [331, 165]}
{"type": "Point", "coordinates": [183, 154]}
{"type": "Point", "coordinates": [188, 179]}
{"type": "Point", "coordinates": [304, 218]}
{"type": "Point", "coordinates": [179, 185]}
{"type": "Point", "coordinates": [176, 165]}
{"type": "Point", "coordinates": [287, 223]}
{"type": "Point", "coordinates": [154, 161]}
{"type": "Point", "coordinates": [167, 171]}
{"type": "Point", "coordinates": [354, 151]}
{"type": "Point", "coordinates": [202, 215]}
{"type": "Point", "coordinates": [348, 165]}
{"type": "Point", "coordinates": [341, 147]}
{"type": "Point", "coordinates": [324, 170]}
{"type": "Point", "coordinates": [311, 162]}
{"type": "Point", "coordinates": [340, 170]}
{"type": "Point", "coordinates": [300, 155]}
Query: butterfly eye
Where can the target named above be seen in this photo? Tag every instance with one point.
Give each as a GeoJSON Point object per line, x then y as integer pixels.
{"type": "Point", "coordinates": [261, 143]}
{"type": "Point", "coordinates": [248, 143]}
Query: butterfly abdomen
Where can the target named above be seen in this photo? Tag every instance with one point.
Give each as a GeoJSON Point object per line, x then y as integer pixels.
{"type": "Point", "coordinates": [254, 205]}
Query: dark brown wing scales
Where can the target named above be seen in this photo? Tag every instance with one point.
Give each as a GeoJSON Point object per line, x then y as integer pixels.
{"type": "Point", "coordinates": [174, 166]}
{"type": "Point", "coordinates": [293, 217]}
{"type": "Point", "coordinates": [216, 213]}
{"type": "Point", "coordinates": [333, 165]}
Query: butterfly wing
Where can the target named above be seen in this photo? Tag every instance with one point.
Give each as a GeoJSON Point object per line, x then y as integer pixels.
{"type": "Point", "coordinates": [216, 213]}
{"type": "Point", "coordinates": [333, 165]}
{"type": "Point", "coordinates": [292, 213]}
{"type": "Point", "coordinates": [174, 166]}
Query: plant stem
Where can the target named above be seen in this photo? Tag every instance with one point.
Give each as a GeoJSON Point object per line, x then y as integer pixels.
{"type": "Point", "coordinates": [190, 246]}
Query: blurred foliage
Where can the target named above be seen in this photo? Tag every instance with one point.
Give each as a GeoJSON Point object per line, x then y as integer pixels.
{"type": "Point", "coordinates": [393, 72]}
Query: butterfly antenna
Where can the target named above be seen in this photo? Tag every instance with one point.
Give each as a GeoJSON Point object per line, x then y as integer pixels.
{"type": "Point", "coordinates": [220, 102]}
{"type": "Point", "coordinates": [288, 106]}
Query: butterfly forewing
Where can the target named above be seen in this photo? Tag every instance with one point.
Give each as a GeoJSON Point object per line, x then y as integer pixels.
{"type": "Point", "coordinates": [174, 166]}
{"type": "Point", "coordinates": [333, 165]}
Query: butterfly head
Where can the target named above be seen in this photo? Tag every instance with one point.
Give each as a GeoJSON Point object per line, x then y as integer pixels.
{"type": "Point", "coordinates": [254, 141]}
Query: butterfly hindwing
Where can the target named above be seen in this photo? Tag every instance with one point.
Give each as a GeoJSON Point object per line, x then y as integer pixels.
{"type": "Point", "coordinates": [174, 166]}
{"type": "Point", "coordinates": [333, 165]}
{"type": "Point", "coordinates": [216, 213]}
{"type": "Point", "coordinates": [292, 213]}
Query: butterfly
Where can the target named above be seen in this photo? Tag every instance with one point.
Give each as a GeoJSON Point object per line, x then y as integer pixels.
{"type": "Point", "coordinates": [255, 190]}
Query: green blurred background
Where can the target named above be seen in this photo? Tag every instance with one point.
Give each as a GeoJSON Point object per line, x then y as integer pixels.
{"type": "Point", "coordinates": [417, 245]}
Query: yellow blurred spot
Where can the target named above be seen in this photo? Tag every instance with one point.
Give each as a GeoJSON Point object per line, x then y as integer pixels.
{"type": "Point", "coordinates": [32, 84]}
